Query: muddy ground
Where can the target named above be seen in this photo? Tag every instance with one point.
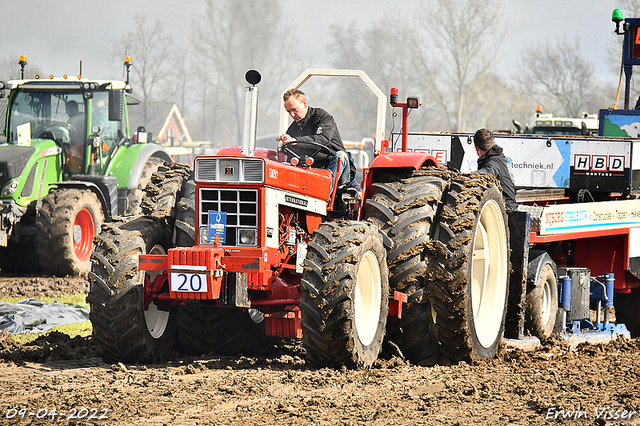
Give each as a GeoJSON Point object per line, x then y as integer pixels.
{"type": "Point", "coordinates": [61, 380]}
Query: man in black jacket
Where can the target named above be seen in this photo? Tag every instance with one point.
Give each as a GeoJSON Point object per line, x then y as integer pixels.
{"type": "Point", "coordinates": [317, 125]}
{"type": "Point", "coordinates": [491, 160]}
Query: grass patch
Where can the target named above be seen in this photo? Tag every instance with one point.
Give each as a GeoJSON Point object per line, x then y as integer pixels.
{"type": "Point", "coordinates": [69, 299]}
{"type": "Point", "coordinates": [82, 329]}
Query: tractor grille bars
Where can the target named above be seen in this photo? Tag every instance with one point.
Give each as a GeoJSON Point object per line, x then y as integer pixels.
{"type": "Point", "coordinates": [241, 170]}
{"type": "Point", "coordinates": [241, 207]}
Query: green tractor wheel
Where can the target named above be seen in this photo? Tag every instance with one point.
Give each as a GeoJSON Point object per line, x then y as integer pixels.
{"type": "Point", "coordinates": [67, 222]}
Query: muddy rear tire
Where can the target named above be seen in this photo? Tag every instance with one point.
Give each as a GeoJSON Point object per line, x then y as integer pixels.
{"type": "Point", "coordinates": [405, 208]}
{"type": "Point", "coordinates": [224, 331]}
{"type": "Point", "coordinates": [344, 295]}
{"type": "Point", "coordinates": [67, 222]}
{"type": "Point", "coordinates": [164, 190]}
{"type": "Point", "coordinates": [134, 196]}
{"type": "Point", "coordinates": [123, 330]}
{"type": "Point", "coordinates": [471, 270]}
{"type": "Point", "coordinates": [184, 231]}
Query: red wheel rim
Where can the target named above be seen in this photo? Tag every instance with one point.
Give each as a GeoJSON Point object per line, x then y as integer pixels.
{"type": "Point", "coordinates": [83, 233]}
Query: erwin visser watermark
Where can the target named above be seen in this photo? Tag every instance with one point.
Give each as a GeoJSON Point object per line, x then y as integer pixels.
{"type": "Point", "coordinates": [604, 413]}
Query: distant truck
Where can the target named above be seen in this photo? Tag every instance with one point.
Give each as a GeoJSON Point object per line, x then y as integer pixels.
{"type": "Point", "coordinates": [548, 124]}
{"type": "Point", "coordinates": [68, 164]}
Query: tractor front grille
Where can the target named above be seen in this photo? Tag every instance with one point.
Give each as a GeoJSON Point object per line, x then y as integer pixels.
{"type": "Point", "coordinates": [241, 207]}
{"type": "Point", "coordinates": [222, 169]}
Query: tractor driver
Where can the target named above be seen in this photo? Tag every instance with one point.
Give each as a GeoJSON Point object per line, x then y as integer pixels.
{"type": "Point", "coordinates": [317, 125]}
{"type": "Point", "coordinates": [491, 160]}
{"type": "Point", "coordinates": [75, 154]}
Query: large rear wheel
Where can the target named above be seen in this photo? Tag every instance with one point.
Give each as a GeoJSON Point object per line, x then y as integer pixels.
{"type": "Point", "coordinates": [472, 269]}
{"type": "Point", "coordinates": [224, 331]}
{"type": "Point", "coordinates": [67, 222]}
{"type": "Point", "coordinates": [134, 196]}
{"type": "Point", "coordinates": [404, 207]}
{"type": "Point", "coordinates": [184, 231]}
{"type": "Point", "coordinates": [164, 189]}
{"type": "Point", "coordinates": [344, 295]}
{"type": "Point", "coordinates": [126, 327]}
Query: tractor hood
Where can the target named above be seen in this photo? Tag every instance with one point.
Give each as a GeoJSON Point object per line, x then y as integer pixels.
{"type": "Point", "coordinates": [13, 160]}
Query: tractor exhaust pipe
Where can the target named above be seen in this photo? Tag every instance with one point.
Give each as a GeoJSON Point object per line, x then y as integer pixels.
{"type": "Point", "coordinates": [250, 113]}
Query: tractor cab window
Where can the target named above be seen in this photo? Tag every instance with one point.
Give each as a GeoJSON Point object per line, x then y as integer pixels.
{"type": "Point", "coordinates": [109, 131]}
{"type": "Point", "coordinates": [47, 115]}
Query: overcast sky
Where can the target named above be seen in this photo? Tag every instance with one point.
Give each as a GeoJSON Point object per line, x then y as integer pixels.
{"type": "Point", "coordinates": [57, 34]}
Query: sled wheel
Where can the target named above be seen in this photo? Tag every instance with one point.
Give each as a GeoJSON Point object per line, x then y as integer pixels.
{"type": "Point", "coordinates": [542, 304]}
{"type": "Point", "coordinates": [626, 306]}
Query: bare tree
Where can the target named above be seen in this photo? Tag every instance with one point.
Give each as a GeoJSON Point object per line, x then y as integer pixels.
{"type": "Point", "coordinates": [553, 74]}
{"type": "Point", "coordinates": [235, 36]}
{"type": "Point", "coordinates": [382, 54]}
{"type": "Point", "coordinates": [632, 7]}
{"type": "Point", "coordinates": [454, 45]}
{"type": "Point", "coordinates": [151, 49]}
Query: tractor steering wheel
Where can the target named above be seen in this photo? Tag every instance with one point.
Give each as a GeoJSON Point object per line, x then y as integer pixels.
{"type": "Point", "coordinates": [289, 149]}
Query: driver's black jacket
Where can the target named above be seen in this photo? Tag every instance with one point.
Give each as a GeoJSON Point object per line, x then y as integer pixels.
{"type": "Point", "coordinates": [320, 127]}
{"type": "Point", "coordinates": [494, 162]}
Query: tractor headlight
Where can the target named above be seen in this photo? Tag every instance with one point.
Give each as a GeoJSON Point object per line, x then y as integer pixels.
{"type": "Point", "coordinates": [204, 235]}
{"type": "Point", "coordinates": [247, 237]}
{"type": "Point", "coordinates": [10, 188]}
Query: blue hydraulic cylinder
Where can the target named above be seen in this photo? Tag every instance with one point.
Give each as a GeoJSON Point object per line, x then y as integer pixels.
{"type": "Point", "coordinates": [566, 294]}
{"type": "Point", "coordinates": [609, 281]}
{"type": "Point", "coordinates": [609, 287]}
{"type": "Point", "coordinates": [566, 300]}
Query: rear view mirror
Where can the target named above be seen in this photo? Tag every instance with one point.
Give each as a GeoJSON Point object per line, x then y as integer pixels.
{"type": "Point", "coordinates": [115, 105]}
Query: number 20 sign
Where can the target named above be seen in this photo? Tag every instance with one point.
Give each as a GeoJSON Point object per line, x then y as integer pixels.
{"type": "Point", "coordinates": [184, 281]}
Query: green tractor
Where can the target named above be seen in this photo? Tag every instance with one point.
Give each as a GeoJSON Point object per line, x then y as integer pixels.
{"type": "Point", "coordinates": [69, 163]}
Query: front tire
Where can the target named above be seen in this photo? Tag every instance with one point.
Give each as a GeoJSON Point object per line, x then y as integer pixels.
{"type": "Point", "coordinates": [123, 330]}
{"type": "Point", "coordinates": [344, 295]}
{"type": "Point", "coordinates": [67, 222]}
{"type": "Point", "coordinates": [470, 293]}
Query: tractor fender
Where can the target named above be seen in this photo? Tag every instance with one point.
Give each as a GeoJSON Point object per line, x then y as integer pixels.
{"type": "Point", "coordinates": [128, 163]}
{"type": "Point", "coordinates": [106, 191]}
{"type": "Point", "coordinates": [538, 258]}
{"type": "Point", "coordinates": [148, 151]}
{"type": "Point", "coordinates": [396, 161]}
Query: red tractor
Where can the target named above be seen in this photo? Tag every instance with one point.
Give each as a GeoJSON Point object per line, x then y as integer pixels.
{"type": "Point", "coordinates": [249, 249]}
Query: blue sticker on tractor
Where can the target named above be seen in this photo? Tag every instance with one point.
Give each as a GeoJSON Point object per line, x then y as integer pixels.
{"type": "Point", "coordinates": [217, 225]}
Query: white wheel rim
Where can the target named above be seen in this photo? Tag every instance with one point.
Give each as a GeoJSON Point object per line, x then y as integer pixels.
{"type": "Point", "coordinates": [545, 303]}
{"type": "Point", "coordinates": [155, 319]}
{"type": "Point", "coordinates": [367, 298]}
{"type": "Point", "coordinates": [489, 272]}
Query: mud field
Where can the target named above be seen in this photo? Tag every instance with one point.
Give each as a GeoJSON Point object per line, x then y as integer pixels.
{"type": "Point", "coordinates": [62, 381]}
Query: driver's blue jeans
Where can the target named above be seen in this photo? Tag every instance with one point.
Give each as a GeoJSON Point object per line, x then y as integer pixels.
{"type": "Point", "coordinates": [345, 170]}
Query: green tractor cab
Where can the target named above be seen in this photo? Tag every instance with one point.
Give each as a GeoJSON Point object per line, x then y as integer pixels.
{"type": "Point", "coordinates": [68, 164]}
